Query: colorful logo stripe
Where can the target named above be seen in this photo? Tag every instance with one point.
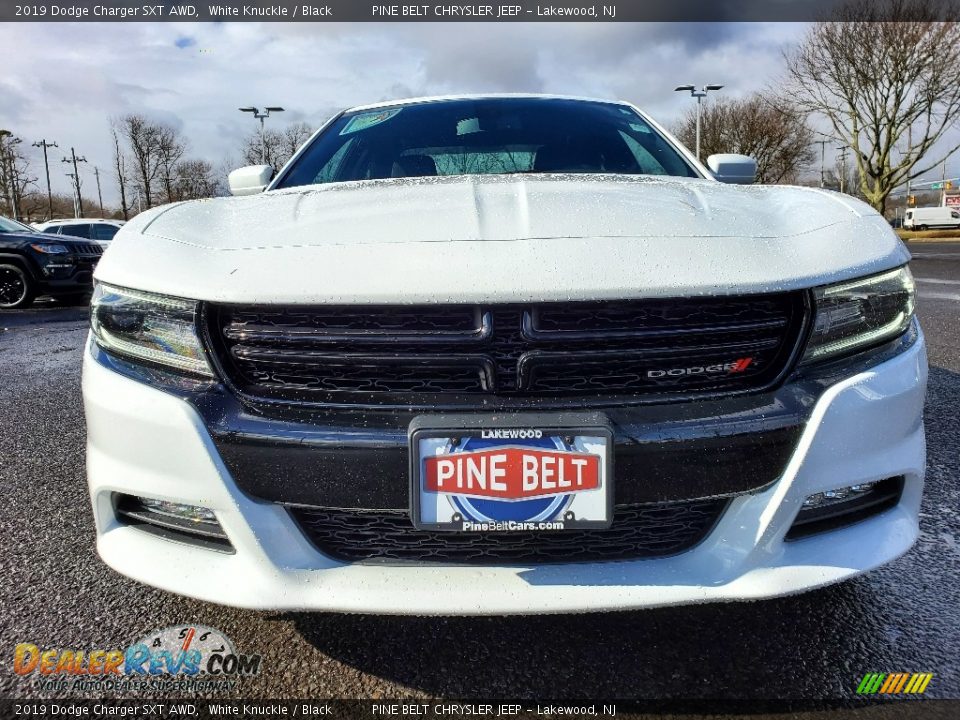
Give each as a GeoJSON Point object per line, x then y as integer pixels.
{"type": "Point", "coordinates": [894, 683]}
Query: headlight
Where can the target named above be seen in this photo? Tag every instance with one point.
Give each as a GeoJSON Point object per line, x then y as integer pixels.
{"type": "Point", "coordinates": [50, 248]}
{"type": "Point", "coordinates": [853, 315]}
{"type": "Point", "coordinates": [144, 326]}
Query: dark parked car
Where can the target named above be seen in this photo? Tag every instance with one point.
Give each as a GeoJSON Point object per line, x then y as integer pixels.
{"type": "Point", "coordinates": [34, 263]}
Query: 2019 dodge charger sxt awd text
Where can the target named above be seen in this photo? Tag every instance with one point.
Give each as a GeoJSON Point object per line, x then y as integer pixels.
{"type": "Point", "coordinates": [507, 354]}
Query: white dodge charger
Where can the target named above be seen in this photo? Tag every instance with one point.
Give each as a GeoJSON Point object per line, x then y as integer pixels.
{"type": "Point", "coordinates": [503, 354]}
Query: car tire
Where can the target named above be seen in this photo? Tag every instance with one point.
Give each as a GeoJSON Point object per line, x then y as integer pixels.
{"type": "Point", "coordinates": [17, 289]}
{"type": "Point", "coordinates": [921, 228]}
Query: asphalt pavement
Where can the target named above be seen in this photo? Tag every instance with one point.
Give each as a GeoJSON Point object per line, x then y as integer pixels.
{"type": "Point", "coordinates": [55, 592]}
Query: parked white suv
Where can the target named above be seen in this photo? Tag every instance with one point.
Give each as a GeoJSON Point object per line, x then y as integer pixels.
{"type": "Point", "coordinates": [509, 354]}
{"type": "Point", "coordinates": [97, 229]}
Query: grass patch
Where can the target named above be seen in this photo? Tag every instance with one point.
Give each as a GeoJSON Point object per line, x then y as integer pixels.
{"type": "Point", "coordinates": [929, 234]}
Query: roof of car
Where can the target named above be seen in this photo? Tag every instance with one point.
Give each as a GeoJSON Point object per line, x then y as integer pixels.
{"type": "Point", "coordinates": [480, 96]}
{"type": "Point", "coordinates": [74, 221]}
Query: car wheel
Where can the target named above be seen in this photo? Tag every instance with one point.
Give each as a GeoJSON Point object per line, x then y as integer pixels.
{"type": "Point", "coordinates": [921, 228]}
{"type": "Point", "coordinates": [16, 287]}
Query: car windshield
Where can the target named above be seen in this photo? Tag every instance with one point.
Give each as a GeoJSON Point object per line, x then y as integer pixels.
{"type": "Point", "coordinates": [12, 226]}
{"type": "Point", "coordinates": [486, 136]}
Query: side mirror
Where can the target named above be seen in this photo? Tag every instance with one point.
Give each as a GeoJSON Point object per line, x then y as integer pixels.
{"type": "Point", "coordinates": [731, 168]}
{"type": "Point", "coordinates": [250, 180]}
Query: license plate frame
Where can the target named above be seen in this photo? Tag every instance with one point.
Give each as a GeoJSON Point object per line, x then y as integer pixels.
{"type": "Point", "coordinates": [580, 435]}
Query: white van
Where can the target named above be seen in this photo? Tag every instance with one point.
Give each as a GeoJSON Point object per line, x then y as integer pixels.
{"type": "Point", "coordinates": [931, 217]}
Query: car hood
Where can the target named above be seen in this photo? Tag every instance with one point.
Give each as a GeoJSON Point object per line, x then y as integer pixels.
{"type": "Point", "coordinates": [503, 238]}
{"type": "Point", "coordinates": [39, 236]}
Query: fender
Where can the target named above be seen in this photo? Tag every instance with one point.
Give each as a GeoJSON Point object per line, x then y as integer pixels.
{"type": "Point", "coordinates": [24, 261]}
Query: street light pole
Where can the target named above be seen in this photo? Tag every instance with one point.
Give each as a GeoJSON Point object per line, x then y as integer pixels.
{"type": "Point", "coordinates": [46, 166]}
{"type": "Point", "coordinates": [699, 94]}
{"type": "Point", "coordinates": [73, 181]}
{"type": "Point", "coordinates": [843, 165]}
{"type": "Point", "coordinates": [943, 184]}
{"type": "Point", "coordinates": [822, 144]}
{"type": "Point", "coordinates": [909, 150]}
{"type": "Point", "coordinates": [78, 206]}
{"type": "Point", "coordinates": [78, 211]}
{"type": "Point", "coordinates": [96, 172]}
{"type": "Point", "coordinates": [261, 116]}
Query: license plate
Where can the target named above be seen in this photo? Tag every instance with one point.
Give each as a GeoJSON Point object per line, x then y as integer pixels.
{"type": "Point", "coordinates": [520, 474]}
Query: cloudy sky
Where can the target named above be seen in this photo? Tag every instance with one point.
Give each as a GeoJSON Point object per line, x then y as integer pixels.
{"type": "Point", "coordinates": [64, 81]}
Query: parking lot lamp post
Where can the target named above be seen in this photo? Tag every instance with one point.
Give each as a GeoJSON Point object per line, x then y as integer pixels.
{"type": "Point", "coordinates": [699, 95]}
{"type": "Point", "coordinates": [261, 116]}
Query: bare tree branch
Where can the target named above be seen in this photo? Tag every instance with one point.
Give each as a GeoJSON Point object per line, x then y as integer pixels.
{"type": "Point", "coordinates": [279, 145]}
{"type": "Point", "coordinates": [879, 72]}
{"type": "Point", "coordinates": [765, 128]}
{"type": "Point", "coordinates": [120, 166]}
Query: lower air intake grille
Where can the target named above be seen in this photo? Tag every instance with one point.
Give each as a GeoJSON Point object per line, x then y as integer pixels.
{"type": "Point", "coordinates": [467, 355]}
{"type": "Point", "coordinates": [638, 531]}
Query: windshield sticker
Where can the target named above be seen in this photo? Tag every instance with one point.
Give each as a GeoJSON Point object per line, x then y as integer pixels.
{"type": "Point", "coordinates": [368, 120]}
{"type": "Point", "coordinates": [468, 126]}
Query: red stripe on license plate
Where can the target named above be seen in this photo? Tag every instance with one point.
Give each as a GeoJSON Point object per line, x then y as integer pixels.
{"type": "Point", "coordinates": [512, 473]}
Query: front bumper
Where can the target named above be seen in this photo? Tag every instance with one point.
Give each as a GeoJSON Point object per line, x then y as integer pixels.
{"type": "Point", "coordinates": [58, 274]}
{"type": "Point", "coordinates": [144, 441]}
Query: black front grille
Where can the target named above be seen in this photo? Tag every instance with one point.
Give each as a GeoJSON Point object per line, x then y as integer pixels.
{"type": "Point", "coordinates": [638, 531]}
{"type": "Point", "coordinates": [451, 354]}
{"type": "Point", "coordinates": [86, 249]}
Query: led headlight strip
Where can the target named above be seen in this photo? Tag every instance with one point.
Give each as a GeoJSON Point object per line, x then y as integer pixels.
{"type": "Point", "coordinates": [148, 327]}
{"type": "Point", "coordinates": [856, 314]}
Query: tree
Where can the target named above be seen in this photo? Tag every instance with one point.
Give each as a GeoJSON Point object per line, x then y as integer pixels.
{"type": "Point", "coordinates": [843, 176]}
{"type": "Point", "coordinates": [195, 179]}
{"type": "Point", "coordinates": [155, 151]}
{"type": "Point", "coordinates": [142, 137]}
{"type": "Point", "coordinates": [17, 187]}
{"type": "Point", "coordinates": [886, 76]}
{"type": "Point", "coordinates": [156, 148]}
{"type": "Point", "coordinates": [171, 150]}
{"type": "Point", "coordinates": [294, 135]}
{"type": "Point", "coordinates": [120, 167]}
{"type": "Point", "coordinates": [278, 145]}
{"type": "Point", "coordinates": [766, 129]}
